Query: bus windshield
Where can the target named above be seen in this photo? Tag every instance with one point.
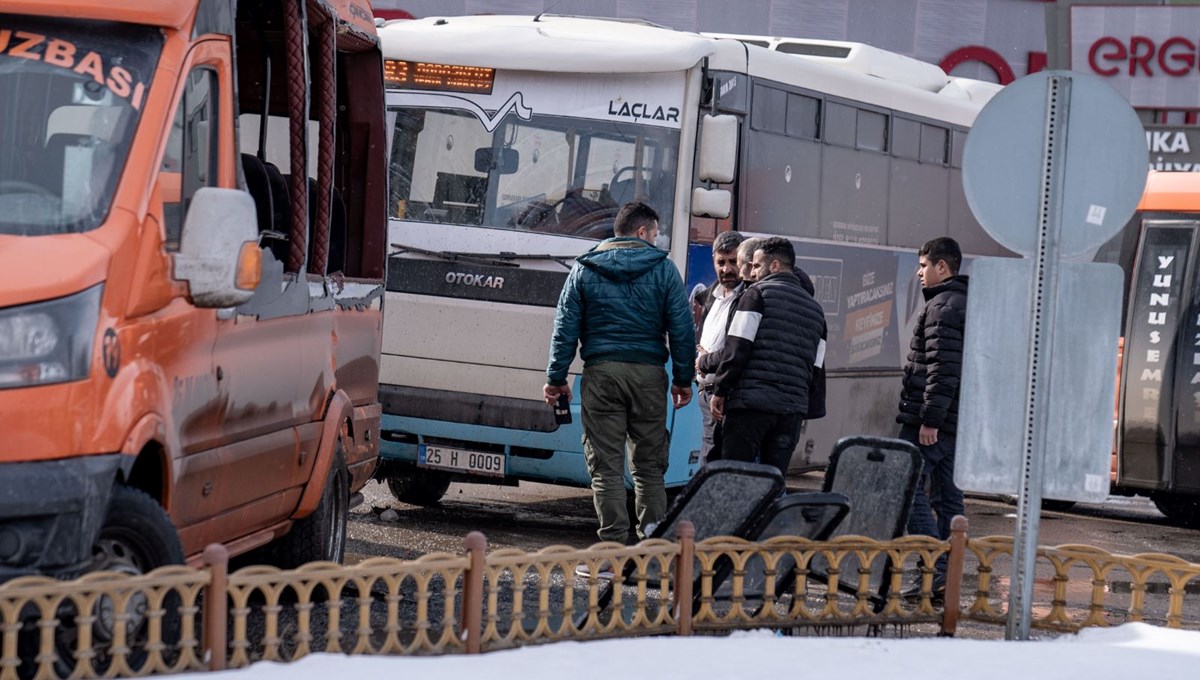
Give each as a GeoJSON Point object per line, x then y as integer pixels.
{"type": "Point", "coordinates": [70, 95]}
{"type": "Point", "coordinates": [549, 174]}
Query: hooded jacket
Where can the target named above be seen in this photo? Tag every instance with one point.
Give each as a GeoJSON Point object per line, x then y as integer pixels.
{"type": "Point", "coordinates": [623, 301]}
{"type": "Point", "coordinates": [930, 389]}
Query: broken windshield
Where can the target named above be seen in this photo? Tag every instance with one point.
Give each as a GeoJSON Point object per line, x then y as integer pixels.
{"type": "Point", "coordinates": [70, 96]}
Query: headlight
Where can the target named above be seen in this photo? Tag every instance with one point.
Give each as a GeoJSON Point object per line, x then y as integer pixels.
{"type": "Point", "coordinates": [48, 342]}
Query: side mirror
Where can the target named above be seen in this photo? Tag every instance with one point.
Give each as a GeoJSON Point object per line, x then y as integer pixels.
{"type": "Point", "coordinates": [218, 254]}
{"type": "Point", "coordinates": [506, 160]}
{"type": "Point", "coordinates": [718, 149]}
{"type": "Point", "coordinates": [711, 203]}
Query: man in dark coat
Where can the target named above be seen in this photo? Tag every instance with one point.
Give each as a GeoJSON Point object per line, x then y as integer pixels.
{"type": "Point", "coordinates": [770, 374]}
{"type": "Point", "coordinates": [625, 308]}
{"type": "Point", "coordinates": [929, 398]}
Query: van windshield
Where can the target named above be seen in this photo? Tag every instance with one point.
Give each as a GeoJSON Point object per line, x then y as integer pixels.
{"type": "Point", "coordinates": [70, 97]}
{"type": "Point", "coordinates": [550, 174]}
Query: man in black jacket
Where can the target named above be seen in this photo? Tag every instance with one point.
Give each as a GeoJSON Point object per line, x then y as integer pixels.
{"type": "Point", "coordinates": [770, 373]}
{"type": "Point", "coordinates": [929, 399]}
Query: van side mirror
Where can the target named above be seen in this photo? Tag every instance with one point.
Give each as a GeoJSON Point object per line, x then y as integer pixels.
{"type": "Point", "coordinates": [218, 253]}
{"type": "Point", "coordinates": [718, 149]}
{"type": "Point", "coordinates": [711, 203]}
{"type": "Point", "coordinates": [505, 160]}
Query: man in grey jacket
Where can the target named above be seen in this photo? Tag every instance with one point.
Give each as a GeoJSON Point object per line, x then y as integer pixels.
{"type": "Point", "coordinates": [620, 301]}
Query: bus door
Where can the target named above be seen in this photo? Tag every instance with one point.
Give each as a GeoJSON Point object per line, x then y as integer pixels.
{"type": "Point", "coordinates": [1159, 427]}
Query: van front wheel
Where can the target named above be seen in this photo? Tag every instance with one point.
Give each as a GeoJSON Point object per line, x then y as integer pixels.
{"type": "Point", "coordinates": [418, 487]}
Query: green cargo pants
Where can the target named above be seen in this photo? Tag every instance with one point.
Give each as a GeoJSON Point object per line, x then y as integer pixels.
{"type": "Point", "coordinates": [625, 403]}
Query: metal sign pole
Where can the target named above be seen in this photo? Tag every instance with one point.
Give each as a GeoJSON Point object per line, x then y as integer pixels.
{"type": "Point", "coordinates": [1041, 339]}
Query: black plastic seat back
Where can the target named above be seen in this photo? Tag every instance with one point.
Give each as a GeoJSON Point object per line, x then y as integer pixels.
{"type": "Point", "coordinates": [804, 515]}
{"type": "Point", "coordinates": [725, 498]}
{"type": "Point", "coordinates": [879, 475]}
{"type": "Point", "coordinates": [259, 187]}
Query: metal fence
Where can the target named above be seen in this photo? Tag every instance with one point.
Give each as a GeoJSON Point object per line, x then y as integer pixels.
{"type": "Point", "coordinates": [181, 619]}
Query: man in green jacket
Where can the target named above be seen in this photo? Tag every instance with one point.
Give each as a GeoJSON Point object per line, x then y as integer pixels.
{"type": "Point", "coordinates": [625, 303]}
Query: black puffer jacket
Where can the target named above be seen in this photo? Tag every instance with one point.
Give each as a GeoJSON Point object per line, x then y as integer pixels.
{"type": "Point", "coordinates": [772, 361]}
{"type": "Point", "coordinates": [930, 394]}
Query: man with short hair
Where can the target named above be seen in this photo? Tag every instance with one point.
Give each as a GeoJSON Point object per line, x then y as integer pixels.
{"type": "Point", "coordinates": [929, 396]}
{"type": "Point", "coordinates": [770, 374]}
{"type": "Point", "coordinates": [745, 258]}
{"type": "Point", "coordinates": [716, 311]}
{"type": "Point", "coordinates": [626, 302]}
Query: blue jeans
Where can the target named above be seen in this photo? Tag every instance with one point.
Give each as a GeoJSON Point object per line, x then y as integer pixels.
{"type": "Point", "coordinates": [931, 513]}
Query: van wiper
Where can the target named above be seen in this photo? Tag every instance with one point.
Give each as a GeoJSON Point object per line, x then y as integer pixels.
{"type": "Point", "coordinates": [501, 259]}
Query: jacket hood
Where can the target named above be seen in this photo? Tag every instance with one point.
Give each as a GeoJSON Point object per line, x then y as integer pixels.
{"type": "Point", "coordinates": [622, 258]}
{"type": "Point", "coordinates": [957, 284]}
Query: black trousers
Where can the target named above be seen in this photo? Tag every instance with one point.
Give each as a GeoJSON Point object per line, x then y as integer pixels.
{"type": "Point", "coordinates": [755, 437]}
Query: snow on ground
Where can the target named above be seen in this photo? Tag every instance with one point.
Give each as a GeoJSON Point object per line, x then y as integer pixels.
{"type": "Point", "coordinates": [1129, 651]}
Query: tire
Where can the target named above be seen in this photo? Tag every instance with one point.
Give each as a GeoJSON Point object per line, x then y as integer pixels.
{"type": "Point", "coordinates": [418, 487]}
{"type": "Point", "coordinates": [1179, 508]}
{"type": "Point", "coordinates": [137, 537]}
{"type": "Point", "coordinates": [322, 535]}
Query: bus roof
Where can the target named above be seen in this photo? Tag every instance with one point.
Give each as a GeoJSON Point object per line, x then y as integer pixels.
{"type": "Point", "coordinates": [1171, 192]}
{"type": "Point", "coordinates": [552, 43]}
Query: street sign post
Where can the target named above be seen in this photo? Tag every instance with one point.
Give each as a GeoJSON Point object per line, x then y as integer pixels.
{"type": "Point", "coordinates": [1053, 167]}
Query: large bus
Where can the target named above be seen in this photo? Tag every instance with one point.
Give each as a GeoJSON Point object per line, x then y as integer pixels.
{"type": "Point", "coordinates": [514, 140]}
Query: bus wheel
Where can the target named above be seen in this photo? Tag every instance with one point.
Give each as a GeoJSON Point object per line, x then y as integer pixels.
{"type": "Point", "coordinates": [322, 535]}
{"type": "Point", "coordinates": [1179, 508]}
{"type": "Point", "coordinates": [418, 487]}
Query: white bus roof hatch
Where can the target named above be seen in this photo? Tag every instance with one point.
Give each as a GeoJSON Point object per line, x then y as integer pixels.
{"type": "Point", "coordinates": [854, 56]}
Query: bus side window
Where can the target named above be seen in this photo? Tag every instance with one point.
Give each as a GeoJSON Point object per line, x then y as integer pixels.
{"type": "Point", "coordinates": [190, 159]}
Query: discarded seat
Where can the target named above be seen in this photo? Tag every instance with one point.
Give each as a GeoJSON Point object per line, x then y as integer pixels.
{"type": "Point", "coordinates": [879, 475]}
{"type": "Point", "coordinates": [725, 498]}
{"type": "Point", "coordinates": [814, 516]}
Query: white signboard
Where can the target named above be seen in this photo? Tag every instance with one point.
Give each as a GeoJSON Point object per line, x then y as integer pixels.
{"type": "Point", "coordinates": [645, 98]}
{"type": "Point", "coordinates": [1149, 54]}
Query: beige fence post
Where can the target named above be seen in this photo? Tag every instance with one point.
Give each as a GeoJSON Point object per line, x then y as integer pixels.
{"type": "Point", "coordinates": [216, 606]}
{"type": "Point", "coordinates": [472, 602]}
{"type": "Point", "coordinates": [954, 574]}
{"type": "Point", "coordinates": [686, 533]}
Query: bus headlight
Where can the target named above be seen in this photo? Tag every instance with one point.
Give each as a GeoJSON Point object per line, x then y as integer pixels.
{"type": "Point", "coordinates": [48, 342]}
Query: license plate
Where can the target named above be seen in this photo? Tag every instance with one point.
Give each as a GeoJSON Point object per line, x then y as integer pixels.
{"type": "Point", "coordinates": [461, 460]}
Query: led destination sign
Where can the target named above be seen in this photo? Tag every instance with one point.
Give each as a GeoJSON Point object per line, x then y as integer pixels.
{"type": "Point", "coordinates": [411, 75]}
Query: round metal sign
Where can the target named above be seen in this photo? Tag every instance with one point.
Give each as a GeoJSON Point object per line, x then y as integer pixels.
{"type": "Point", "coordinates": [1005, 162]}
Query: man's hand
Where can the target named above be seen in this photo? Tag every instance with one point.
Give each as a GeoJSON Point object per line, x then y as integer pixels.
{"type": "Point", "coordinates": [717, 406]}
{"type": "Point", "coordinates": [699, 353]}
{"type": "Point", "coordinates": [680, 396]}
{"type": "Point", "coordinates": [551, 392]}
{"type": "Point", "coordinates": [927, 435]}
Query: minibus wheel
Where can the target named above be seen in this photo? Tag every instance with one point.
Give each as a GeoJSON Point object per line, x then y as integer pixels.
{"type": "Point", "coordinates": [322, 535]}
{"type": "Point", "coordinates": [418, 487]}
{"type": "Point", "coordinates": [136, 538]}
